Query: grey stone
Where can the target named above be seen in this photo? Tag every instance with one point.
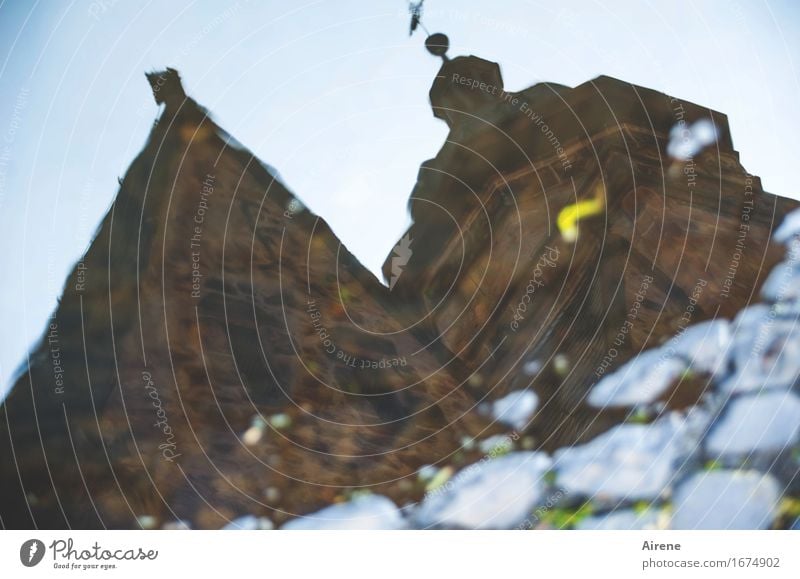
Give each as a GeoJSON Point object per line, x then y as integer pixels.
{"type": "Point", "coordinates": [492, 494]}
{"type": "Point", "coordinates": [704, 345]}
{"type": "Point", "coordinates": [793, 249]}
{"type": "Point", "coordinates": [426, 472]}
{"type": "Point", "coordinates": [629, 462]}
{"type": "Point", "coordinates": [686, 141]}
{"type": "Point", "coordinates": [147, 521]}
{"type": "Point", "coordinates": [749, 316]}
{"type": "Point", "coordinates": [496, 445]}
{"type": "Point", "coordinates": [178, 525]}
{"type": "Point", "coordinates": [366, 512]}
{"type": "Point", "coordinates": [789, 228]}
{"type": "Point", "coordinates": [249, 523]}
{"type": "Point", "coordinates": [783, 282]}
{"type": "Point", "coordinates": [515, 409]}
{"type": "Point", "coordinates": [766, 352]}
{"type": "Point", "coordinates": [627, 520]}
{"type": "Point", "coordinates": [640, 381]}
{"type": "Point", "coordinates": [763, 424]}
{"type": "Point", "coordinates": [789, 311]}
{"type": "Point", "coordinates": [726, 499]}
{"type": "Point", "coordinates": [532, 367]}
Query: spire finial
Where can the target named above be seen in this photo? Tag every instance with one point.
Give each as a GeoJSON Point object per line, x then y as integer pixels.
{"type": "Point", "coordinates": [437, 44]}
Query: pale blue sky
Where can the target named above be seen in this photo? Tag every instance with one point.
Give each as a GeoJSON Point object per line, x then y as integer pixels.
{"type": "Point", "coordinates": [334, 95]}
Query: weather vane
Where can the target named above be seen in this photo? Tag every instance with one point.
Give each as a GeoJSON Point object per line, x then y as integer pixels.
{"type": "Point", "coordinates": [437, 43]}
{"type": "Point", "coordinates": [415, 9]}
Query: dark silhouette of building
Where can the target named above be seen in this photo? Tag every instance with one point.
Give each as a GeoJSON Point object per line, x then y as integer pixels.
{"type": "Point", "coordinates": [218, 352]}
